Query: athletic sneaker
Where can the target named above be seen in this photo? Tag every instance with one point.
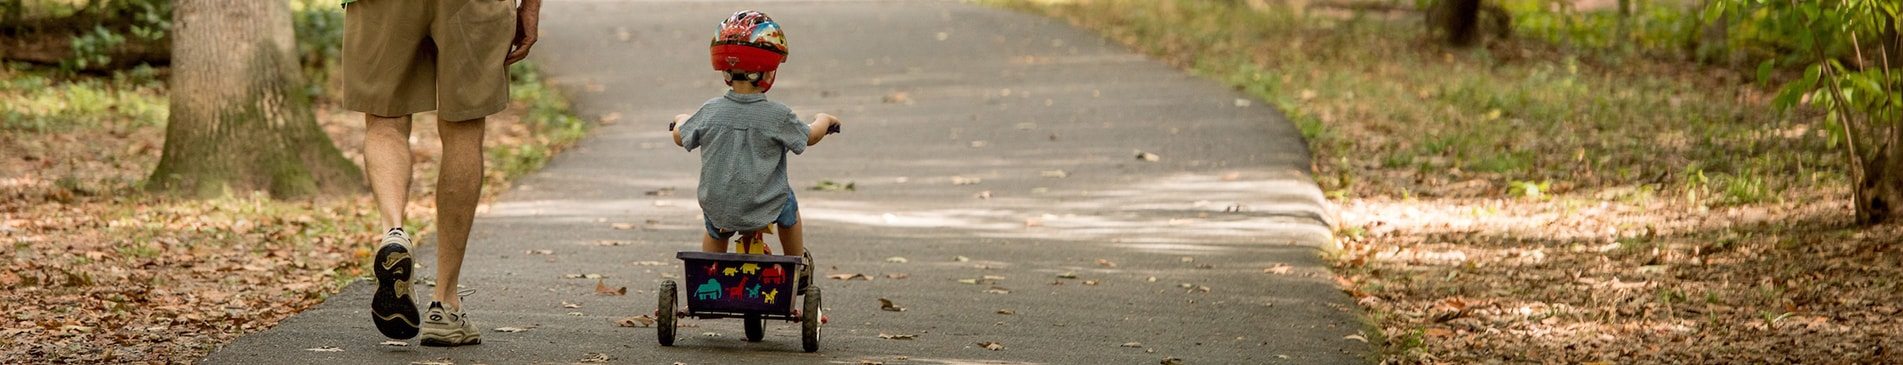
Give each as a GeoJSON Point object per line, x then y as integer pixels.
{"type": "Point", "coordinates": [444, 328]}
{"type": "Point", "coordinates": [391, 307]}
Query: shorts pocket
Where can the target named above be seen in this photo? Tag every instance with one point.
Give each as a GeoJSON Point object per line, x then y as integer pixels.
{"type": "Point", "coordinates": [488, 28]}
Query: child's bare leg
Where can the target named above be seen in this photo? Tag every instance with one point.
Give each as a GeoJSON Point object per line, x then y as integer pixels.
{"type": "Point", "coordinates": [711, 244]}
{"type": "Point", "coordinates": [791, 240]}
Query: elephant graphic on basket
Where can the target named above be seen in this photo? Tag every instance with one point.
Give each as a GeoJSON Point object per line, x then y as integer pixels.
{"type": "Point", "coordinates": [708, 291]}
{"type": "Point", "coordinates": [773, 275]}
{"type": "Point", "coordinates": [749, 268]}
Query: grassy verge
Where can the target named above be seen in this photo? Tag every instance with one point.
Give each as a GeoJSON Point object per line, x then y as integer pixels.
{"type": "Point", "coordinates": [100, 271]}
{"type": "Point", "coordinates": [1526, 201]}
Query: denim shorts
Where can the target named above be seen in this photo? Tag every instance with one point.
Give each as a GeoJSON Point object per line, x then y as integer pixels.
{"type": "Point", "coordinates": [789, 215]}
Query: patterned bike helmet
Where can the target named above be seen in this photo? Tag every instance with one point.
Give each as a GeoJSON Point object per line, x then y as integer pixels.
{"type": "Point", "coordinates": [749, 42]}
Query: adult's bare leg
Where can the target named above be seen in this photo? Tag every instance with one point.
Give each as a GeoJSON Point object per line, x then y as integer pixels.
{"type": "Point", "coordinates": [458, 190]}
{"type": "Point", "coordinates": [386, 153]}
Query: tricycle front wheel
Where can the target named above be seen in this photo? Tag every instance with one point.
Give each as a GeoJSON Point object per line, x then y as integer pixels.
{"type": "Point", "coordinates": [755, 329]}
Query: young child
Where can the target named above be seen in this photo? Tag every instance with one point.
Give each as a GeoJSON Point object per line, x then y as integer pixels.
{"type": "Point", "coordinates": [744, 138]}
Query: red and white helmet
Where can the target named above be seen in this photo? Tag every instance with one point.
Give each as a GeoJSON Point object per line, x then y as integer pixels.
{"type": "Point", "coordinates": [749, 42]}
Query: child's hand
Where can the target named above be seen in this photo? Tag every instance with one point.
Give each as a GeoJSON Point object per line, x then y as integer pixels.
{"type": "Point", "coordinates": [832, 122]}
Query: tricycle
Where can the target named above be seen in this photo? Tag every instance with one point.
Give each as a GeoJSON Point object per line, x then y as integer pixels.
{"type": "Point", "coordinates": [751, 284]}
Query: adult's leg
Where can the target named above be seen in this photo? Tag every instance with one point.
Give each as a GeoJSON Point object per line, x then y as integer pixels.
{"type": "Point", "coordinates": [458, 190]}
{"type": "Point", "coordinates": [386, 153]}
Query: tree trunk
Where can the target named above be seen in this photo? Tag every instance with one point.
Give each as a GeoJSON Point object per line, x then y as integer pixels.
{"type": "Point", "coordinates": [1881, 189]}
{"type": "Point", "coordinates": [1460, 19]}
{"type": "Point", "coordinates": [240, 120]}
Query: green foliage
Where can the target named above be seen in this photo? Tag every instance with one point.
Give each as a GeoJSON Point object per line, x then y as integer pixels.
{"type": "Point", "coordinates": [145, 20]}
{"type": "Point", "coordinates": [92, 49]}
{"type": "Point", "coordinates": [319, 25]}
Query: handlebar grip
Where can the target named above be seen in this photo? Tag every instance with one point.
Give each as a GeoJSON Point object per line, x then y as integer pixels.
{"type": "Point", "coordinates": [833, 129]}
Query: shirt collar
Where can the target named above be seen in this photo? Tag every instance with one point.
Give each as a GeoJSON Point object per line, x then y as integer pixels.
{"type": "Point", "coordinates": [745, 98]}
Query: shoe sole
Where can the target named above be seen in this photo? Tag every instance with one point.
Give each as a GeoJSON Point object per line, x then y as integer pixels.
{"type": "Point", "coordinates": [391, 306]}
{"type": "Point", "coordinates": [431, 342]}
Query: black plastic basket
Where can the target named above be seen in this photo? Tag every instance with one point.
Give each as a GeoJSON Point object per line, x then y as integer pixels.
{"type": "Point", "coordinates": [731, 283]}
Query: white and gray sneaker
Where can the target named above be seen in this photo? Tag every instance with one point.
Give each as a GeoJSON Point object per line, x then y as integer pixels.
{"type": "Point", "coordinates": [391, 306]}
{"type": "Point", "coordinates": [445, 329]}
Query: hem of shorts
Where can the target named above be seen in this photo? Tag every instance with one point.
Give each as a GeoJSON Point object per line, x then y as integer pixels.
{"type": "Point", "coordinates": [472, 114]}
{"type": "Point", "coordinates": [388, 112]}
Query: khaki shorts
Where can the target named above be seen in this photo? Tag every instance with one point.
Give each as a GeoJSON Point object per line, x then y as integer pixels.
{"type": "Point", "coordinates": [402, 57]}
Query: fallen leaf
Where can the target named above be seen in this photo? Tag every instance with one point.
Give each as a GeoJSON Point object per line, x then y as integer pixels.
{"type": "Point", "coordinates": [566, 304]}
{"type": "Point", "coordinates": [395, 343]}
{"type": "Point", "coordinates": [1355, 337]}
{"type": "Point", "coordinates": [1067, 275]}
{"type": "Point", "coordinates": [325, 349]}
{"type": "Point", "coordinates": [961, 259]}
{"type": "Point", "coordinates": [596, 358]}
{"type": "Point", "coordinates": [601, 287]}
{"type": "Point", "coordinates": [968, 281]}
{"type": "Point", "coordinates": [849, 277]}
{"type": "Point", "coordinates": [648, 263]}
{"type": "Point", "coordinates": [622, 226]}
{"type": "Point", "coordinates": [991, 345]}
{"type": "Point", "coordinates": [1090, 282]}
{"type": "Point", "coordinates": [510, 329]}
{"type": "Point", "coordinates": [961, 180]}
{"type": "Point", "coordinates": [1172, 361]}
{"type": "Point", "coordinates": [898, 337]}
{"type": "Point", "coordinates": [1007, 312]}
{"type": "Point", "coordinates": [660, 192]}
{"type": "Point", "coordinates": [610, 118]}
{"type": "Point", "coordinates": [886, 305]}
{"type": "Point", "coordinates": [998, 290]}
{"type": "Point", "coordinates": [1279, 269]}
{"type": "Point", "coordinates": [992, 277]}
{"type": "Point", "coordinates": [710, 334]}
{"type": "Point", "coordinates": [982, 195]}
{"type": "Point", "coordinates": [1132, 344]}
{"type": "Point", "coordinates": [874, 362]}
{"type": "Point", "coordinates": [1055, 174]}
{"type": "Point", "coordinates": [1106, 263]}
{"type": "Point", "coordinates": [541, 252]}
{"type": "Point", "coordinates": [896, 260]}
{"type": "Point", "coordinates": [1150, 157]}
{"type": "Point", "coordinates": [829, 185]}
{"type": "Point", "coordinates": [897, 275]}
{"type": "Point", "coordinates": [636, 321]}
{"type": "Point", "coordinates": [611, 243]}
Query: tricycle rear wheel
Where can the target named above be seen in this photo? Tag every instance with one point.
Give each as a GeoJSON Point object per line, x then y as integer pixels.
{"type": "Point", "coordinates": [664, 313]}
{"type": "Point", "coordinates": [809, 320]}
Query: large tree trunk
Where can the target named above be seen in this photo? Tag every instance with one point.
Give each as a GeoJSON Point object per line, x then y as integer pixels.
{"type": "Point", "coordinates": [240, 120]}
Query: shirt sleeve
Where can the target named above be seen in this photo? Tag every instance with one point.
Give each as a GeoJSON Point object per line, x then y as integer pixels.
{"type": "Point", "coordinates": [692, 129]}
{"type": "Point", "coordinates": [792, 134]}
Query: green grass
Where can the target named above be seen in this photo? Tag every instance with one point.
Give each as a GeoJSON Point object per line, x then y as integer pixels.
{"type": "Point", "coordinates": [1371, 92]}
{"type": "Point", "coordinates": [547, 116]}
{"type": "Point", "coordinates": [36, 100]}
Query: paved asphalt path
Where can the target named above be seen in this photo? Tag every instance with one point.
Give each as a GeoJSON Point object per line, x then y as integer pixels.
{"type": "Point", "coordinates": [935, 96]}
